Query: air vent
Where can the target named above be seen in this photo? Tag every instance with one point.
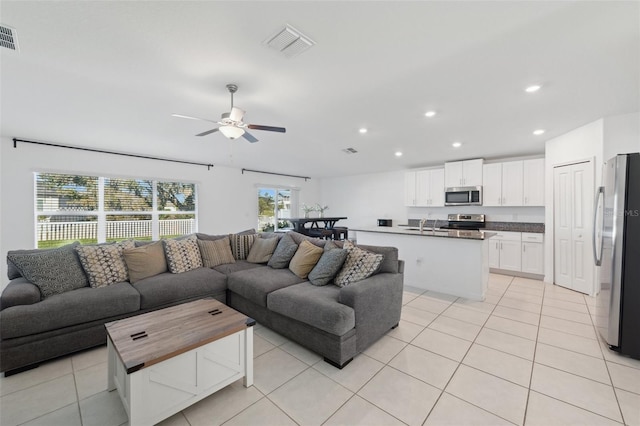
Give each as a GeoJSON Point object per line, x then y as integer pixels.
{"type": "Point", "coordinates": [289, 41]}
{"type": "Point", "coordinates": [349, 150]}
{"type": "Point", "coordinates": [8, 38]}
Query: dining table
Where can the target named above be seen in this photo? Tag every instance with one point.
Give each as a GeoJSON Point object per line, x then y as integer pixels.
{"type": "Point", "coordinates": [316, 223]}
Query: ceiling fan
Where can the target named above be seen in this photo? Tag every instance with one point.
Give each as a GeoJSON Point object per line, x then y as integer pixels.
{"type": "Point", "coordinates": [231, 124]}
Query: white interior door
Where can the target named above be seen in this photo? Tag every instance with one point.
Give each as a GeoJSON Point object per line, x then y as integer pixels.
{"type": "Point", "coordinates": [573, 205]}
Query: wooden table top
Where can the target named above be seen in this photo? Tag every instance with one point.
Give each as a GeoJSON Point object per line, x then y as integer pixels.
{"type": "Point", "coordinates": [150, 338]}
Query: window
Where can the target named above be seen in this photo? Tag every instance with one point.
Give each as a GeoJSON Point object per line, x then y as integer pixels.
{"type": "Point", "coordinates": [274, 208]}
{"type": "Point", "coordinates": [94, 209]}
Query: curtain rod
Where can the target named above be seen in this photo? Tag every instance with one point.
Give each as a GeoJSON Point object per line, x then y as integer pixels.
{"type": "Point", "coordinates": [306, 178]}
{"type": "Point", "coordinates": [79, 148]}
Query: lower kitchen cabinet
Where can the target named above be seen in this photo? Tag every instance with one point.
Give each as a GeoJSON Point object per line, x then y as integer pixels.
{"type": "Point", "coordinates": [517, 251]}
{"type": "Point", "coordinates": [532, 253]}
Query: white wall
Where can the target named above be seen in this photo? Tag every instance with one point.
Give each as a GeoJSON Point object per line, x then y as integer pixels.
{"type": "Point", "coordinates": [226, 198]}
{"type": "Point", "coordinates": [621, 135]}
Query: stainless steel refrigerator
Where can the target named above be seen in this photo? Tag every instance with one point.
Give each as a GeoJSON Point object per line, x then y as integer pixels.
{"type": "Point", "coordinates": [617, 252]}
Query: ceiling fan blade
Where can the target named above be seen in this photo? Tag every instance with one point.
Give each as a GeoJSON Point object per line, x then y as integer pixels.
{"type": "Point", "coordinates": [192, 118]}
{"type": "Point", "coordinates": [268, 128]}
{"type": "Point", "coordinates": [249, 137]}
{"type": "Point", "coordinates": [236, 114]}
{"type": "Point", "coordinates": [208, 132]}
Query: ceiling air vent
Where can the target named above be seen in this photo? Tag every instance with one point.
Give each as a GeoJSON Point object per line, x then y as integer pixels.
{"type": "Point", "coordinates": [349, 150]}
{"type": "Point", "coordinates": [8, 37]}
{"type": "Point", "coordinates": [289, 41]}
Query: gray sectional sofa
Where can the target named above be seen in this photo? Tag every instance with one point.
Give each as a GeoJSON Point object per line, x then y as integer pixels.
{"type": "Point", "coordinates": [335, 322]}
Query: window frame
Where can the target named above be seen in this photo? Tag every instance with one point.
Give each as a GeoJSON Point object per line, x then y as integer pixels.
{"type": "Point", "coordinates": [293, 202]}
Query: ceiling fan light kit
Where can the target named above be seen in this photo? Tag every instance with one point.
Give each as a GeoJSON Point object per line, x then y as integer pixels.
{"type": "Point", "coordinates": [231, 124]}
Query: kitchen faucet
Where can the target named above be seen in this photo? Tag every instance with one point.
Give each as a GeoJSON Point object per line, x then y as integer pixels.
{"type": "Point", "coordinates": [423, 221]}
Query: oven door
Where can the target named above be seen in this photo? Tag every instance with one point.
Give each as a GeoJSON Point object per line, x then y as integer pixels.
{"type": "Point", "coordinates": [457, 197]}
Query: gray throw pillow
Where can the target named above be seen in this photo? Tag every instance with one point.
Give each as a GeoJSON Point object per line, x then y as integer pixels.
{"type": "Point", "coordinates": [53, 271]}
{"type": "Point", "coordinates": [284, 252]}
{"type": "Point", "coordinates": [262, 250]}
{"type": "Point", "coordinates": [327, 267]}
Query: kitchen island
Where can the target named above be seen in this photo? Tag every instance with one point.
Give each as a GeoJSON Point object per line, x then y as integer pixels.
{"type": "Point", "coordinates": [447, 261]}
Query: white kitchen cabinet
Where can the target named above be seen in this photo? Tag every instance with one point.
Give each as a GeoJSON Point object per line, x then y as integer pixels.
{"type": "Point", "coordinates": [504, 251]}
{"type": "Point", "coordinates": [424, 188]}
{"type": "Point", "coordinates": [533, 182]}
{"type": "Point", "coordinates": [532, 253]}
{"type": "Point", "coordinates": [463, 173]}
{"type": "Point", "coordinates": [502, 184]}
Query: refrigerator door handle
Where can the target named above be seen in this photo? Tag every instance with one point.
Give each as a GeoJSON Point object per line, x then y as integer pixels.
{"type": "Point", "coordinates": [599, 196]}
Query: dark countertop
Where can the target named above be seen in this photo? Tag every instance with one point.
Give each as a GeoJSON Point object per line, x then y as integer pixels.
{"type": "Point", "coordinates": [491, 226]}
{"type": "Point", "coordinates": [465, 235]}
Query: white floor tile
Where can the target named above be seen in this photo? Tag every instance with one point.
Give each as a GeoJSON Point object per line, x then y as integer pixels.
{"type": "Point", "coordinates": [565, 314]}
{"type": "Point", "coordinates": [302, 353]}
{"type": "Point", "coordinates": [103, 409]}
{"type": "Point", "coordinates": [385, 349]}
{"type": "Point", "coordinates": [417, 316]}
{"type": "Point", "coordinates": [466, 315]}
{"type": "Point", "coordinates": [405, 331]}
{"type": "Point", "coordinates": [310, 398]}
{"type": "Point", "coordinates": [570, 342]}
{"type": "Point", "coordinates": [529, 282]}
{"type": "Point", "coordinates": [503, 365]}
{"type": "Point", "coordinates": [271, 336]}
{"type": "Point", "coordinates": [358, 412]}
{"type": "Point", "coordinates": [516, 328]}
{"type": "Point", "coordinates": [440, 297]}
{"type": "Point", "coordinates": [566, 326]}
{"type": "Point", "coordinates": [177, 419]}
{"type": "Point", "coordinates": [573, 362]}
{"type": "Point", "coordinates": [492, 299]}
{"type": "Point", "coordinates": [455, 327]}
{"type": "Point", "coordinates": [452, 411]}
{"type": "Point", "coordinates": [408, 297]}
{"type": "Point", "coordinates": [569, 306]}
{"type": "Point", "coordinates": [545, 411]}
{"type": "Point", "coordinates": [485, 306]}
{"type": "Point", "coordinates": [442, 344]}
{"type": "Point", "coordinates": [260, 345]}
{"type": "Point", "coordinates": [498, 396]}
{"type": "Point", "coordinates": [355, 374]}
{"type": "Point", "coordinates": [92, 380]}
{"type": "Point", "coordinates": [88, 358]}
{"type": "Point", "coordinates": [517, 315]}
{"type": "Point", "coordinates": [505, 342]}
{"type": "Point", "coordinates": [414, 290]}
{"type": "Point", "coordinates": [519, 304]}
{"type": "Point", "coordinates": [36, 401]}
{"type": "Point", "coordinates": [576, 390]}
{"type": "Point", "coordinates": [525, 289]}
{"type": "Point", "coordinates": [400, 395]}
{"type": "Point", "coordinates": [43, 373]}
{"type": "Point", "coordinates": [630, 406]}
{"type": "Point", "coordinates": [524, 297]}
{"type": "Point", "coordinates": [432, 368]}
{"type": "Point", "coordinates": [263, 412]}
{"type": "Point", "coordinates": [625, 378]}
{"type": "Point", "coordinates": [65, 416]}
{"type": "Point", "coordinates": [613, 356]}
{"type": "Point", "coordinates": [560, 293]}
{"type": "Point", "coordinates": [222, 405]}
{"type": "Point", "coordinates": [274, 368]}
{"type": "Point", "coordinates": [428, 304]}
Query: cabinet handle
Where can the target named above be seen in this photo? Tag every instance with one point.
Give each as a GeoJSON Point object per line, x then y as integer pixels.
{"type": "Point", "coordinates": [526, 200]}
{"type": "Point", "coordinates": [524, 248]}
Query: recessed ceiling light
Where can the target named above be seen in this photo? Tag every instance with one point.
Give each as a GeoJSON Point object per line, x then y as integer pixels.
{"type": "Point", "coordinates": [456, 144]}
{"type": "Point", "coordinates": [429, 114]}
{"type": "Point", "coordinates": [363, 130]}
{"type": "Point", "coordinates": [533, 88]}
{"type": "Point", "coordinates": [398, 154]}
{"type": "Point", "coordinates": [538, 132]}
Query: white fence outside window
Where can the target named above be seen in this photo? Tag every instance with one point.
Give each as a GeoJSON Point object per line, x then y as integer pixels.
{"type": "Point", "coordinates": [55, 231]}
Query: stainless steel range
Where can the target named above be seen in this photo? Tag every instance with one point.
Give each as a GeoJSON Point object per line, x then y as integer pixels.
{"type": "Point", "coordinates": [465, 222]}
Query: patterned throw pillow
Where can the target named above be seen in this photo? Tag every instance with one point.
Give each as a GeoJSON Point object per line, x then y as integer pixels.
{"type": "Point", "coordinates": [328, 266]}
{"type": "Point", "coordinates": [262, 250]}
{"type": "Point", "coordinates": [104, 263]}
{"type": "Point", "coordinates": [182, 255]}
{"type": "Point", "coordinates": [285, 250]}
{"type": "Point", "coordinates": [241, 245]}
{"type": "Point", "coordinates": [305, 259]}
{"type": "Point", "coordinates": [360, 264]}
{"type": "Point", "coordinates": [53, 271]}
{"type": "Point", "coordinates": [215, 252]}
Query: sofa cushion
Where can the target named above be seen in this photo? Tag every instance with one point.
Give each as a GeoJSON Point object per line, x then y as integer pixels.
{"type": "Point", "coordinates": [170, 288]}
{"type": "Point", "coordinates": [262, 250]}
{"type": "Point", "coordinates": [283, 253]}
{"type": "Point", "coordinates": [19, 292]}
{"type": "Point", "coordinates": [255, 284]}
{"type": "Point", "coordinates": [68, 309]}
{"type": "Point", "coordinates": [241, 244]}
{"type": "Point", "coordinates": [328, 266]}
{"type": "Point", "coordinates": [53, 271]}
{"type": "Point", "coordinates": [315, 306]}
{"type": "Point", "coordinates": [359, 265]}
{"type": "Point", "coordinates": [305, 259]}
{"type": "Point", "coordinates": [239, 265]}
{"type": "Point", "coordinates": [182, 255]}
{"type": "Point", "coordinates": [215, 252]}
{"type": "Point", "coordinates": [145, 261]}
{"type": "Point", "coordinates": [104, 263]}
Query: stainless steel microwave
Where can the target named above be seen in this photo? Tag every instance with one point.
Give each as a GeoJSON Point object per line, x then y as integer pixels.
{"type": "Point", "coordinates": [463, 196]}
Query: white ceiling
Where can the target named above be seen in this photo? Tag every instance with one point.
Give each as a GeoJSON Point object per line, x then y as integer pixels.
{"type": "Point", "coordinates": [110, 74]}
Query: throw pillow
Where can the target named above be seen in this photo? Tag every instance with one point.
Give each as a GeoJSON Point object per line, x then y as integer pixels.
{"type": "Point", "coordinates": [215, 252]}
{"type": "Point", "coordinates": [305, 259]}
{"type": "Point", "coordinates": [209, 237]}
{"type": "Point", "coordinates": [241, 245]}
{"type": "Point", "coordinates": [262, 250]}
{"type": "Point", "coordinates": [360, 264]}
{"type": "Point", "coordinates": [53, 271]}
{"type": "Point", "coordinates": [182, 255]}
{"type": "Point", "coordinates": [104, 263]}
{"type": "Point", "coordinates": [145, 261]}
{"type": "Point", "coordinates": [328, 266]}
{"type": "Point", "coordinates": [285, 250]}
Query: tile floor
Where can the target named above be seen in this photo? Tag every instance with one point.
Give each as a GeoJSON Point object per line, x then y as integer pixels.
{"type": "Point", "coordinates": [527, 355]}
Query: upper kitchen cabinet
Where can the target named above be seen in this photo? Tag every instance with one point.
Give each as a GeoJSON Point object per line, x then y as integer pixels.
{"type": "Point", "coordinates": [533, 182]}
{"type": "Point", "coordinates": [502, 184]}
{"type": "Point", "coordinates": [424, 188]}
{"type": "Point", "coordinates": [463, 173]}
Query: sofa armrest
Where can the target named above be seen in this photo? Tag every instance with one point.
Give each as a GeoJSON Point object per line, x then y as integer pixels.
{"type": "Point", "coordinates": [377, 303]}
{"type": "Point", "coordinates": [19, 292]}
